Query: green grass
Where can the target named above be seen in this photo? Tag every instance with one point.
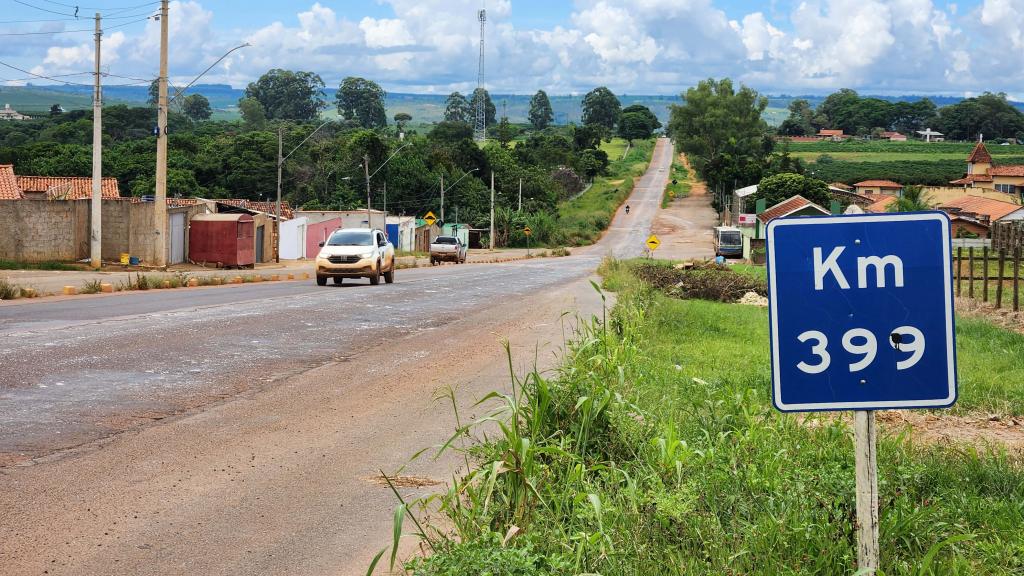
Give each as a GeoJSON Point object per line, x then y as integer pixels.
{"type": "Point", "coordinates": [681, 188]}
{"type": "Point", "coordinates": [51, 265]}
{"type": "Point", "coordinates": [582, 221]}
{"type": "Point", "coordinates": [615, 149]}
{"type": "Point", "coordinates": [655, 450]}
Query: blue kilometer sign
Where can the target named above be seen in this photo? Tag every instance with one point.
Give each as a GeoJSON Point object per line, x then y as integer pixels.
{"type": "Point", "coordinates": [861, 312]}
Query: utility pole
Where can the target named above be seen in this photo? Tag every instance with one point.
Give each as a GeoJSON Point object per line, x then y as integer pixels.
{"type": "Point", "coordinates": [492, 211]}
{"type": "Point", "coordinates": [277, 207]}
{"type": "Point", "coordinates": [442, 197]}
{"type": "Point", "coordinates": [520, 194]}
{"type": "Point", "coordinates": [160, 202]}
{"type": "Point", "coordinates": [96, 234]}
{"type": "Point", "coordinates": [385, 208]}
{"type": "Point", "coordinates": [366, 166]}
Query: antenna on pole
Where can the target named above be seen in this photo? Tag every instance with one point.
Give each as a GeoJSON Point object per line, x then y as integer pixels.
{"type": "Point", "coordinates": [480, 125]}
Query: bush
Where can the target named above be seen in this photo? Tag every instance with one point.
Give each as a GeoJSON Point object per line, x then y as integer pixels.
{"type": "Point", "coordinates": [705, 282]}
{"type": "Point", "coordinates": [9, 291]}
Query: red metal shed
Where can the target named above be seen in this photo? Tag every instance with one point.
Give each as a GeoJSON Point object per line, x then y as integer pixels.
{"type": "Point", "coordinates": [225, 239]}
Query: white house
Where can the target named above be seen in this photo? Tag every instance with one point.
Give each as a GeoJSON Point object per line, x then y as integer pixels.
{"type": "Point", "coordinates": [293, 238]}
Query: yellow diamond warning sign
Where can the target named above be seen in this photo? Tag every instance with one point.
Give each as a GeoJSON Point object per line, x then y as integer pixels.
{"type": "Point", "coordinates": [653, 242]}
{"type": "Point", "coordinates": [430, 218]}
{"type": "Point", "coordinates": [528, 231]}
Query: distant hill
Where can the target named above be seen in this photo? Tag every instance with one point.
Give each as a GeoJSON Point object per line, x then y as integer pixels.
{"type": "Point", "coordinates": [424, 108]}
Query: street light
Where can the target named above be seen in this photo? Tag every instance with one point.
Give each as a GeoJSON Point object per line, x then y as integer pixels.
{"type": "Point", "coordinates": [366, 167]}
{"type": "Point", "coordinates": [327, 182]}
{"type": "Point", "coordinates": [280, 163]}
{"type": "Point", "coordinates": [450, 186]}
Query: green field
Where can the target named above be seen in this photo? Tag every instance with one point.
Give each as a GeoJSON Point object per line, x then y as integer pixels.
{"type": "Point", "coordinates": [879, 151]}
{"type": "Point", "coordinates": [655, 450]}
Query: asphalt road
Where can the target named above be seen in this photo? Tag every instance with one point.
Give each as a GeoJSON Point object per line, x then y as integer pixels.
{"type": "Point", "coordinates": [232, 430]}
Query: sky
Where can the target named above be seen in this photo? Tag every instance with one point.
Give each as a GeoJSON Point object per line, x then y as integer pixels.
{"type": "Point", "coordinates": [561, 46]}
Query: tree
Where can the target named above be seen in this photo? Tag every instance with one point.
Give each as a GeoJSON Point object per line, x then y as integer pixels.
{"type": "Point", "coordinates": [490, 112]}
{"type": "Point", "coordinates": [638, 123]}
{"type": "Point", "coordinates": [722, 131]}
{"type": "Point", "coordinates": [592, 162]}
{"type": "Point", "coordinates": [56, 110]}
{"type": "Point", "coordinates": [913, 199]}
{"type": "Point", "coordinates": [457, 108]}
{"type": "Point", "coordinates": [154, 92]}
{"type": "Point", "coordinates": [401, 119]}
{"type": "Point", "coordinates": [782, 187]}
{"type": "Point", "coordinates": [362, 100]}
{"type": "Point", "coordinates": [504, 132]}
{"type": "Point", "coordinates": [838, 109]}
{"type": "Point", "coordinates": [196, 107]}
{"type": "Point", "coordinates": [541, 114]}
{"type": "Point", "coordinates": [800, 121]}
{"type": "Point", "coordinates": [288, 95]}
{"type": "Point", "coordinates": [252, 113]}
{"type": "Point", "coordinates": [990, 115]}
{"type": "Point", "coordinates": [601, 108]}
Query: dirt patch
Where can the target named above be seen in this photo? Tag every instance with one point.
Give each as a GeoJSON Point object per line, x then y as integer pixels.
{"type": "Point", "coordinates": [1004, 317]}
{"type": "Point", "coordinates": [975, 430]}
{"type": "Point", "coordinates": [697, 186]}
{"type": "Point", "coordinates": [404, 481]}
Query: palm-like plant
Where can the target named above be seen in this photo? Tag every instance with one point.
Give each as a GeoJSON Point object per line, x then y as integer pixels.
{"type": "Point", "coordinates": [913, 199]}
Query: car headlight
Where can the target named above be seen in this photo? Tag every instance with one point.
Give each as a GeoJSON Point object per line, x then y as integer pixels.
{"type": "Point", "coordinates": [367, 255]}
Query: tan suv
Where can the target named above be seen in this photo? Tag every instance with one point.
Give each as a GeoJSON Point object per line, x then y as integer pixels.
{"type": "Point", "coordinates": [355, 253]}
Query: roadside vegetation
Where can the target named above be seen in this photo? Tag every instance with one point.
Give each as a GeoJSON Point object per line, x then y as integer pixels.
{"type": "Point", "coordinates": [50, 265]}
{"type": "Point", "coordinates": [654, 449]}
{"type": "Point", "coordinates": [678, 184]}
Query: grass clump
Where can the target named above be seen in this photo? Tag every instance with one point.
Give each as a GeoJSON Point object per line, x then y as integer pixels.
{"type": "Point", "coordinates": [654, 450]}
{"type": "Point", "coordinates": [9, 291]}
{"type": "Point", "coordinates": [48, 265]}
{"type": "Point", "coordinates": [704, 280]}
{"type": "Point", "coordinates": [91, 287]}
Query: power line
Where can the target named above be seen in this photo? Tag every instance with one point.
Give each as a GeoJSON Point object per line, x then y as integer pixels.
{"type": "Point", "coordinates": [42, 33]}
{"type": "Point", "coordinates": [44, 9]}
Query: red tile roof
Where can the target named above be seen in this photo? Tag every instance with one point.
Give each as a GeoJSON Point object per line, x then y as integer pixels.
{"type": "Point", "coordinates": [824, 132]}
{"type": "Point", "coordinates": [881, 205]}
{"type": "Point", "coordinates": [972, 178]}
{"type": "Point", "coordinates": [980, 154]}
{"type": "Point", "coordinates": [878, 184]}
{"type": "Point", "coordinates": [9, 189]}
{"type": "Point", "coordinates": [265, 207]}
{"type": "Point", "coordinates": [1010, 170]}
{"type": "Point", "coordinates": [994, 209]}
{"type": "Point", "coordinates": [787, 207]}
{"type": "Point", "coordinates": [68, 187]}
{"type": "Point", "coordinates": [842, 186]}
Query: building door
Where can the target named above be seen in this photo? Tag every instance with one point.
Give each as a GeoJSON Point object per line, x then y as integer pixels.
{"type": "Point", "coordinates": [259, 244]}
{"type": "Point", "coordinates": [177, 255]}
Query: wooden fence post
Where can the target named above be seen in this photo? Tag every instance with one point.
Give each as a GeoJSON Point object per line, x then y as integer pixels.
{"type": "Point", "coordinates": [1016, 279]}
{"type": "Point", "coordinates": [984, 282]}
{"type": "Point", "coordinates": [959, 268]}
{"type": "Point", "coordinates": [970, 272]}
{"type": "Point", "coordinates": [999, 280]}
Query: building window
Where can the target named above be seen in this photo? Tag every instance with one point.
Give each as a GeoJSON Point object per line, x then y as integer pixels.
{"type": "Point", "coordinates": [1007, 188]}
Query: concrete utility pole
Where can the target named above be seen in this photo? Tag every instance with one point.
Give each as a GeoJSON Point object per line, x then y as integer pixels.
{"type": "Point", "coordinates": [366, 166]}
{"type": "Point", "coordinates": [492, 211]}
{"type": "Point", "coordinates": [160, 202]}
{"type": "Point", "coordinates": [277, 208]}
{"type": "Point", "coordinates": [520, 194]}
{"type": "Point", "coordinates": [96, 220]}
{"type": "Point", "coordinates": [442, 197]}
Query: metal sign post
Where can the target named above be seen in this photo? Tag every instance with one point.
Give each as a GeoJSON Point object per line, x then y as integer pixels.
{"type": "Point", "coordinates": [652, 244]}
{"type": "Point", "coordinates": [861, 319]}
{"type": "Point", "coordinates": [527, 231]}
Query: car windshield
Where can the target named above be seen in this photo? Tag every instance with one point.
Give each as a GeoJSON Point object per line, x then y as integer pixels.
{"type": "Point", "coordinates": [351, 238]}
{"type": "Point", "coordinates": [445, 240]}
{"type": "Point", "coordinates": [731, 238]}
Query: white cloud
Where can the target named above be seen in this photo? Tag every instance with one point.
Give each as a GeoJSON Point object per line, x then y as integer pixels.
{"type": "Point", "coordinates": [633, 46]}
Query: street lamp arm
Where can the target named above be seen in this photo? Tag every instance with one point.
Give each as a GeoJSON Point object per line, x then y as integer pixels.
{"type": "Point", "coordinates": [181, 92]}
{"type": "Point", "coordinates": [386, 161]}
{"type": "Point", "coordinates": [306, 139]}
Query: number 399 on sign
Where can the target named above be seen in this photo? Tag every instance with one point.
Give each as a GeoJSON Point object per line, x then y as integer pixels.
{"type": "Point", "coordinates": [861, 312]}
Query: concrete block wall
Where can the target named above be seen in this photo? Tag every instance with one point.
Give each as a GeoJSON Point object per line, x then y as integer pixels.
{"type": "Point", "coordinates": [37, 231]}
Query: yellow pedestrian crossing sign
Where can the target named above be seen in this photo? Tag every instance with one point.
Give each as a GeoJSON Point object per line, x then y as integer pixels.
{"type": "Point", "coordinates": [653, 242]}
{"type": "Point", "coordinates": [430, 218]}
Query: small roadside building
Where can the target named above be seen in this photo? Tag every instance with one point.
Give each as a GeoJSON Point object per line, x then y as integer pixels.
{"type": "Point", "coordinates": [791, 207]}
{"type": "Point", "coordinates": [401, 232]}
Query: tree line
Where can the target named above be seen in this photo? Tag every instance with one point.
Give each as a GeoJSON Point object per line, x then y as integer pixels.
{"type": "Point", "coordinates": [991, 115]}
{"type": "Point", "coordinates": [237, 159]}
